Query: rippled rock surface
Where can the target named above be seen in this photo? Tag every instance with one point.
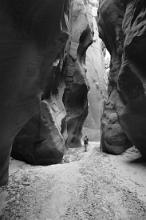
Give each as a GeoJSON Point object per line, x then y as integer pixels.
{"type": "Point", "coordinates": [131, 81]}
{"type": "Point", "coordinates": [122, 26]}
{"type": "Point", "coordinates": [110, 17]}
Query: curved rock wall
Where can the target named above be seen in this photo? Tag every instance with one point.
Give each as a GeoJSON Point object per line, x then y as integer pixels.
{"type": "Point", "coordinates": [75, 95]}
{"type": "Point", "coordinates": [97, 79]}
{"type": "Point", "coordinates": [131, 81]}
{"type": "Point", "coordinates": [122, 27]}
{"type": "Point", "coordinates": [75, 102]}
{"type": "Point", "coordinates": [40, 141]}
{"type": "Point", "coordinates": [110, 16]}
{"type": "Point", "coordinates": [57, 125]}
{"type": "Point", "coordinates": [30, 40]}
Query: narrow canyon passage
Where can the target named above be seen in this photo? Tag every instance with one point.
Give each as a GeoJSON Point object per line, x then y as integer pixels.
{"type": "Point", "coordinates": [90, 185]}
{"type": "Point", "coordinates": [72, 72]}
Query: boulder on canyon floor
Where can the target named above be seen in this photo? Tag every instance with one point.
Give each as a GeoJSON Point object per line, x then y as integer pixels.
{"type": "Point", "coordinates": [40, 141]}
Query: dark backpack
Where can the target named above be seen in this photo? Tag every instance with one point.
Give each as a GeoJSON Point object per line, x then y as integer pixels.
{"type": "Point", "coordinates": [86, 141]}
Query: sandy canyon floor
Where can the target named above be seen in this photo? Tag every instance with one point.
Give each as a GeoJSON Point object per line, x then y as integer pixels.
{"type": "Point", "coordinates": [86, 186]}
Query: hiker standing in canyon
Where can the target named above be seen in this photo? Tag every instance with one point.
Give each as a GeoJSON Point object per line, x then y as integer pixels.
{"type": "Point", "coordinates": [86, 142]}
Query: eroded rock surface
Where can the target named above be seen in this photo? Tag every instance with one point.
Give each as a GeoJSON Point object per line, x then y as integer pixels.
{"type": "Point", "coordinates": [43, 139]}
{"type": "Point", "coordinates": [97, 79]}
{"type": "Point", "coordinates": [126, 104]}
{"type": "Point", "coordinates": [131, 81]}
{"type": "Point", "coordinates": [110, 17]}
{"type": "Point", "coordinates": [75, 95]}
{"type": "Point", "coordinates": [40, 141]}
{"type": "Point", "coordinates": [30, 40]}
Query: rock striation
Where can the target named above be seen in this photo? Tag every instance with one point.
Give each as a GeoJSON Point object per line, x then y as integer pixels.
{"type": "Point", "coordinates": [110, 17]}
{"type": "Point", "coordinates": [75, 95]}
{"type": "Point", "coordinates": [122, 27]}
{"type": "Point", "coordinates": [131, 80]}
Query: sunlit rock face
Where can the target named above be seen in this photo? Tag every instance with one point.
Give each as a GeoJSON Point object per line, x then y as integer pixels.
{"type": "Point", "coordinates": [75, 102]}
{"type": "Point", "coordinates": [89, 73]}
{"type": "Point", "coordinates": [132, 81]}
{"type": "Point", "coordinates": [75, 95]}
{"type": "Point", "coordinates": [97, 79]}
{"type": "Point", "coordinates": [110, 17]}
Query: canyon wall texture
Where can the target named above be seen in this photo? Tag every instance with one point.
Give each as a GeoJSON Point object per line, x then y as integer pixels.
{"type": "Point", "coordinates": [40, 142]}
{"type": "Point", "coordinates": [75, 94]}
{"type": "Point", "coordinates": [122, 27]}
{"type": "Point", "coordinates": [31, 38]}
{"type": "Point", "coordinates": [57, 126]}
{"type": "Point", "coordinates": [131, 80]}
{"type": "Point", "coordinates": [110, 16]}
{"type": "Point", "coordinates": [97, 80]}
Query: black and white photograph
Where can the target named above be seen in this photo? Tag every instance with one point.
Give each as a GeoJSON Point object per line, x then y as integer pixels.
{"type": "Point", "coordinates": [72, 109]}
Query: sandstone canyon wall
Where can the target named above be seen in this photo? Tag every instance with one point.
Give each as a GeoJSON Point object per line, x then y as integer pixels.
{"type": "Point", "coordinates": [45, 137]}
{"type": "Point", "coordinates": [131, 80]}
{"type": "Point", "coordinates": [122, 26]}
{"type": "Point", "coordinates": [40, 142]}
{"type": "Point", "coordinates": [75, 95]}
{"type": "Point", "coordinates": [110, 16]}
{"type": "Point", "coordinates": [97, 79]}
{"type": "Point", "coordinates": [31, 37]}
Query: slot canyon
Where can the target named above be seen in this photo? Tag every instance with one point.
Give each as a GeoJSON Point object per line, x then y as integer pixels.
{"type": "Point", "coordinates": [72, 121]}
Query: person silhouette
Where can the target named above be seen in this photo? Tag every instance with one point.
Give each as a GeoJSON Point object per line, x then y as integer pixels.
{"type": "Point", "coordinates": [86, 142]}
